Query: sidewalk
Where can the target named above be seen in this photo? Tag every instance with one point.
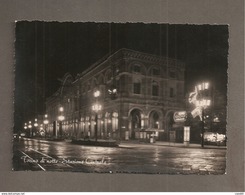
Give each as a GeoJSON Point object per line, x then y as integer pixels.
{"type": "Point", "coordinates": [137, 143]}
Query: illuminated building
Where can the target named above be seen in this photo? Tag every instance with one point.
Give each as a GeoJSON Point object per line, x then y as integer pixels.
{"type": "Point", "coordinates": [139, 93]}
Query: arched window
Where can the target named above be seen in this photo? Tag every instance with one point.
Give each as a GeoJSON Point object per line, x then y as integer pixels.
{"type": "Point", "coordinates": [154, 120]}
{"type": "Point", "coordinates": [136, 68]}
{"type": "Point", "coordinates": [155, 71]}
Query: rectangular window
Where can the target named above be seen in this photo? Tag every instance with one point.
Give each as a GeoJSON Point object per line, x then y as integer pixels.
{"type": "Point", "coordinates": [171, 92]}
{"type": "Point", "coordinates": [137, 88]}
{"type": "Point", "coordinates": [155, 90]}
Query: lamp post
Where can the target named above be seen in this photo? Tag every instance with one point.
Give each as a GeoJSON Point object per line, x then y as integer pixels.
{"type": "Point", "coordinates": [30, 127]}
{"type": "Point", "coordinates": [35, 125]}
{"type": "Point", "coordinates": [25, 127]}
{"type": "Point", "coordinates": [96, 108]}
{"type": "Point", "coordinates": [45, 122]}
{"type": "Point", "coordinates": [61, 118]}
{"type": "Point", "coordinates": [202, 102]}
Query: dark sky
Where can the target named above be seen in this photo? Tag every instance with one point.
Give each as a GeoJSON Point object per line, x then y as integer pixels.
{"type": "Point", "coordinates": [45, 51]}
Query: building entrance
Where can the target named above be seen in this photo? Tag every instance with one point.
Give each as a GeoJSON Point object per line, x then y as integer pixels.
{"type": "Point", "coordinates": [135, 120]}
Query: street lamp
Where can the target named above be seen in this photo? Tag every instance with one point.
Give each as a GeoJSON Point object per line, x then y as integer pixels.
{"type": "Point", "coordinates": [202, 102]}
{"type": "Point", "coordinates": [30, 127]}
{"type": "Point", "coordinates": [41, 130]}
{"type": "Point", "coordinates": [96, 108]}
{"type": "Point", "coordinates": [45, 122]}
{"type": "Point", "coordinates": [35, 125]}
{"type": "Point", "coordinates": [25, 127]}
{"type": "Point", "coordinates": [61, 118]}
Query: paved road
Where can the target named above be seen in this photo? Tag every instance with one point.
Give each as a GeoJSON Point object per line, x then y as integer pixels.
{"type": "Point", "coordinates": [41, 155]}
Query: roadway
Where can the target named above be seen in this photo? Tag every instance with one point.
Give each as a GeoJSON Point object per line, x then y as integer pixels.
{"type": "Point", "coordinates": [43, 155]}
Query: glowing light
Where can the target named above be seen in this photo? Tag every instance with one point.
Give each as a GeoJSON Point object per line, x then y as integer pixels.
{"type": "Point", "coordinates": [97, 93]}
{"type": "Point", "coordinates": [61, 118]}
{"type": "Point", "coordinates": [46, 116]}
{"type": "Point", "coordinates": [35, 124]}
{"type": "Point", "coordinates": [203, 103]}
{"type": "Point", "coordinates": [46, 122]}
{"type": "Point", "coordinates": [61, 109]}
{"type": "Point", "coordinates": [96, 107]}
{"type": "Point", "coordinates": [208, 102]}
{"type": "Point", "coordinates": [203, 86]}
{"type": "Point", "coordinates": [206, 85]}
{"type": "Point", "coordinates": [200, 87]}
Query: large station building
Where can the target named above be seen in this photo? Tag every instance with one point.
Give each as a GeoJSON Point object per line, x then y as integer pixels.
{"type": "Point", "coordinates": [138, 94]}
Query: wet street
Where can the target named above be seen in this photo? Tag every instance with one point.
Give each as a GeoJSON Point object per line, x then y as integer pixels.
{"type": "Point", "coordinates": [42, 155]}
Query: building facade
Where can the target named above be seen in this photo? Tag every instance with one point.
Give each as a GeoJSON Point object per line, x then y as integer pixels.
{"type": "Point", "coordinates": [139, 93]}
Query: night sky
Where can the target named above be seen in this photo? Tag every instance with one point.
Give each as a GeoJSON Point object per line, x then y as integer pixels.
{"type": "Point", "coordinates": [45, 51]}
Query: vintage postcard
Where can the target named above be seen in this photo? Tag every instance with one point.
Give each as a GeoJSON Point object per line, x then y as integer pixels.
{"type": "Point", "coordinates": [120, 97]}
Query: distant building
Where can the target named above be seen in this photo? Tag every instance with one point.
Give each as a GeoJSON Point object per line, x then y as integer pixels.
{"type": "Point", "coordinates": [145, 91]}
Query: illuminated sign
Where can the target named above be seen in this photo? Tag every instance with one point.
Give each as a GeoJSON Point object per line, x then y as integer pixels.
{"type": "Point", "coordinates": [186, 134]}
{"type": "Point", "coordinates": [180, 116]}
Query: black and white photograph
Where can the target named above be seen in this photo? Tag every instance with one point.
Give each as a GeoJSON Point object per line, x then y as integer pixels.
{"type": "Point", "coordinates": [142, 98]}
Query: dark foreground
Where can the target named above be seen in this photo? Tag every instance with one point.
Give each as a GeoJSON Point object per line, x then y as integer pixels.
{"type": "Point", "coordinates": [41, 155]}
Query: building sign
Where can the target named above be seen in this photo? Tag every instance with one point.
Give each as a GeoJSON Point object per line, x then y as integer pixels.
{"type": "Point", "coordinates": [197, 112]}
{"type": "Point", "coordinates": [180, 116]}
